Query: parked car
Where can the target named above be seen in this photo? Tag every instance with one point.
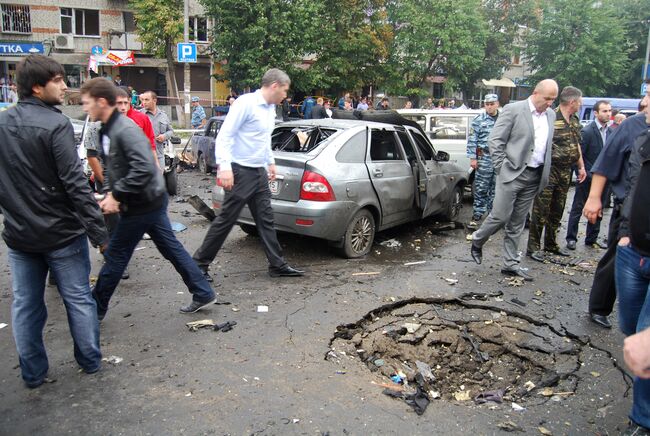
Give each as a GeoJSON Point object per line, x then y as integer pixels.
{"type": "Point", "coordinates": [344, 180]}
{"type": "Point", "coordinates": [203, 144]}
{"type": "Point", "coordinates": [448, 130]}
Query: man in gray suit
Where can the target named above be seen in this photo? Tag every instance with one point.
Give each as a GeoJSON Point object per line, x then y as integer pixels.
{"type": "Point", "coordinates": [520, 146]}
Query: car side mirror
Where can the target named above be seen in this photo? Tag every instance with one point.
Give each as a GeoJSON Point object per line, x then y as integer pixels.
{"type": "Point", "coordinates": [442, 156]}
{"type": "Point", "coordinates": [175, 140]}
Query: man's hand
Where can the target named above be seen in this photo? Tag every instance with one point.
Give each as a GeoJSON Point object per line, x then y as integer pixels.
{"type": "Point", "coordinates": [109, 204]}
{"type": "Point", "coordinates": [593, 209]}
{"type": "Point", "coordinates": [103, 248]}
{"type": "Point", "coordinates": [272, 172]}
{"type": "Point", "coordinates": [226, 179]}
{"type": "Point", "coordinates": [582, 174]}
{"type": "Point", "coordinates": [636, 352]}
{"type": "Point", "coordinates": [473, 163]}
{"type": "Point", "coordinates": [160, 138]}
{"type": "Point", "coordinates": [624, 241]}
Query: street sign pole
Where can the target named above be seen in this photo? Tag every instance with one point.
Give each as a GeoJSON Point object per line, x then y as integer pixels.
{"type": "Point", "coordinates": [186, 68]}
{"type": "Point", "coordinates": [647, 54]}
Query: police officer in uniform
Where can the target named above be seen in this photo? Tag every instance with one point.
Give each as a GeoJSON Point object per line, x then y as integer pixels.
{"type": "Point", "coordinates": [480, 160]}
{"type": "Point", "coordinates": [549, 204]}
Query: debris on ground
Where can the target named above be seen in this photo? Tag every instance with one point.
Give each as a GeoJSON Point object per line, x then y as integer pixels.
{"type": "Point", "coordinates": [517, 408]}
{"type": "Point", "coordinates": [225, 327]}
{"type": "Point", "coordinates": [178, 227]}
{"type": "Point", "coordinates": [509, 426]}
{"type": "Point", "coordinates": [419, 262]}
{"type": "Point", "coordinates": [3, 325]}
{"type": "Point", "coordinates": [515, 281]}
{"type": "Point", "coordinates": [114, 360]}
{"type": "Point", "coordinates": [391, 243]}
{"type": "Point", "coordinates": [196, 325]}
{"type": "Point", "coordinates": [262, 308]}
{"type": "Point", "coordinates": [201, 207]}
{"type": "Point", "coordinates": [495, 396]}
{"type": "Point", "coordinates": [482, 296]}
{"type": "Point", "coordinates": [373, 273]}
{"type": "Point", "coordinates": [186, 213]}
{"type": "Point", "coordinates": [545, 431]}
{"type": "Point", "coordinates": [451, 281]}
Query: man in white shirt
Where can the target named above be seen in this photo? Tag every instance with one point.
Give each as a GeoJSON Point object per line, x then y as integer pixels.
{"type": "Point", "coordinates": [243, 154]}
{"type": "Point", "coordinates": [520, 146]}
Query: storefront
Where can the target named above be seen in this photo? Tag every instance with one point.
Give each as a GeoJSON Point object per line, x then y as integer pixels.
{"type": "Point", "coordinates": [11, 52]}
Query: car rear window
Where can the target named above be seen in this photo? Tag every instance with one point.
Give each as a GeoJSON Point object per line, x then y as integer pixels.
{"type": "Point", "coordinates": [299, 139]}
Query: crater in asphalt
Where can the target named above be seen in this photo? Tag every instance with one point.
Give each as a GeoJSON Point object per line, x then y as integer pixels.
{"type": "Point", "coordinates": [470, 348]}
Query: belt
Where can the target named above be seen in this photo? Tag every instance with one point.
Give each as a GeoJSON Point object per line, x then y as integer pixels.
{"type": "Point", "coordinates": [539, 168]}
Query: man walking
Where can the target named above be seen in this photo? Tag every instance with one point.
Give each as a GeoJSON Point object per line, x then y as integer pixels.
{"type": "Point", "coordinates": [520, 146]}
{"type": "Point", "coordinates": [48, 210]}
{"type": "Point", "coordinates": [243, 152]}
{"type": "Point", "coordinates": [612, 166]}
{"type": "Point", "coordinates": [134, 188]}
{"type": "Point", "coordinates": [594, 135]}
{"type": "Point", "coordinates": [479, 155]}
{"type": "Point", "coordinates": [549, 204]}
{"type": "Point", "coordinates": [162, 127]}
{"type": "Point", "coordinates": [198, 114]}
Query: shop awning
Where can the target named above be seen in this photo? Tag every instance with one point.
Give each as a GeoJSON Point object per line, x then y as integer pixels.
{"type": "Point", "coordinates": [499, 83]}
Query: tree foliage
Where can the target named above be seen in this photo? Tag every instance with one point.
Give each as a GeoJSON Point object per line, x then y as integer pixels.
{"type": "Point", "coordinates": [435, 37]}
{"type": "Point", "coordinates": [580, 43]}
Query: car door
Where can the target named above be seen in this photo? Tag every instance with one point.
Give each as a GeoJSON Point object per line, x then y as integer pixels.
{"type": "Point", "coordinates": [434, 183]}
{"type": "Point", "coordinates": [391, 175]}
{"type": "Point", "coordinates": [215, 126]}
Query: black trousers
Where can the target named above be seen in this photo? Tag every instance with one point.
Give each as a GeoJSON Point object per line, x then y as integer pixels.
{"type": "Point", "coordinates": [251, 188]}
{"type": "Point", "coordinates": [603, 289]}
{"type": "Point", "coordinates": [579, 200]}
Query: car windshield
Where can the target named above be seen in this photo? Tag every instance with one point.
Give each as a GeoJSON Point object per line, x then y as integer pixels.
{"type": "Point", "coordinates": [299, 139]}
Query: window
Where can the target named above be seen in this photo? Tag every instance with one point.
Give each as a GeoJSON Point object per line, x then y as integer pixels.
{"type": "Point", "coordinates": [408, 147]}
{"type": "Point", "coordinates": [448, 128]}
{"type": "Point", "coordinates": [16, 19]}
{"type": "Point", "coordinates": [383, 146]}
{"type": "Point", "coordinates": [354, 150]}
{"type": "Point", "coordinates": [129, 21]}
{"type": "Point", "coordinates": [423, 145]}
{"type": "Point", "coordinates": [199, 29]}
{"type": "Point", "coordinates": [214, 129]}
{"type": "Point", "coordinates": [82, 22]}
{"type": "Point", "coordinates": [299, 139]}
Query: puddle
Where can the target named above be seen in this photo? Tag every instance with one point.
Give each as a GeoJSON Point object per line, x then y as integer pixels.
{"type": "Point", "coordinates": [470, 348]}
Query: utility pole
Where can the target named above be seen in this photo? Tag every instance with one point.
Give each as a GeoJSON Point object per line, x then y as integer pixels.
{"type": "Point", "coordinates": [186, 66]}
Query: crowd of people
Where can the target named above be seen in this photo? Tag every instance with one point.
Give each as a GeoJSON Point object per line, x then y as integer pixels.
{"type": "Point", "coordinates": [524, 156]}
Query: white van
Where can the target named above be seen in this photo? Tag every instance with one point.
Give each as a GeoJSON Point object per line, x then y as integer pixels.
{"type": "Point", "coordinates": [449, 130]}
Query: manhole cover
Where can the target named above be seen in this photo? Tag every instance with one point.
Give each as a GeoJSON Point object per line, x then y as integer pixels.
{"type": "Point", "coordinates": [469, 349]}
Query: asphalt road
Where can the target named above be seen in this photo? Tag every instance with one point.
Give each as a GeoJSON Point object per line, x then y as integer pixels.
{"type": "Point", "coordinates": [270, 375]}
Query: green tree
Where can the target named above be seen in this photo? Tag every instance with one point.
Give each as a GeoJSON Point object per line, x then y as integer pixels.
{"type": "Point", "coordinates": [250, 37]}
{"type": "Point", "coordinates": [580, 43]}
{"type": "Point", "coordinates": [160, 27]}
{"type": "Point", "coordinates": [435, 37]}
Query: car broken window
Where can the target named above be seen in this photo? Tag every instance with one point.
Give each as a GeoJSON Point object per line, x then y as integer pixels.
{"type": "Point", "coordinates": [299, 139]}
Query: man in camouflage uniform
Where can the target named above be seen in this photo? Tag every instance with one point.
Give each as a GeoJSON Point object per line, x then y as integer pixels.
{"type": "Point", "coordinates": [480, 160]}
{"type": "Point", "coordinates": [549, 204]}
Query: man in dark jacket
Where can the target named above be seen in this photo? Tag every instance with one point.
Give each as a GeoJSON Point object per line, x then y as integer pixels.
{"type": "Point", "coordinates": [134, 188]}
{"type": "Point", "coordinates": [49, 213]}
{"type": "Point", "coordinates": [318, 112]}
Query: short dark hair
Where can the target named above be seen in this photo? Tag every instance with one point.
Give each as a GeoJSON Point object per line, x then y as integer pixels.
{"type": "Point", "coordinates": [153, 94]}
{"type": "Point", "coordinates": [100, 88]}
{"type": "Point", "coordinates": [599, 103]}
{"type": "Point", "coordinates": [121, 92]}
{"type": "Point", "coordinates": [36, 70]}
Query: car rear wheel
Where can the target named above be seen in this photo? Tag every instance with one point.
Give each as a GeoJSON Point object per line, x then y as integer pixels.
{"type": "Point", "coordinates": [455, 204]}
{"type": "Point", "coordinates": [249, 229]}
{"type": "Point", "coordinates": [359, 235]}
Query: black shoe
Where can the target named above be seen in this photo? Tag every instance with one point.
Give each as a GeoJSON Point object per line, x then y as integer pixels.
{"type": "Point", "coordinates": [517, 272]}
{"type": "Point", "coordinates": [477, 253]}
{"type": "Point", "coordinates": [571, 245]}
{"type": "Point", "coordinates": [194, 306]}
{"type": "Point", "coordinates": [601, 320]}
{"type": "Point", "coordinates": [285, 271]}
{"type": "Point", "coordinates": [206, 275]}
{"type": "Point", "coordinates": [561, 252]}
{"type": "Point", "coordinates": [537, 255]}
{"type": "Point", "coordinates": [125, 274]}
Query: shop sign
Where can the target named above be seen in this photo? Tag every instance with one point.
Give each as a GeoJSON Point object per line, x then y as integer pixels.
{"type": "Point", "coordinates": [11, 48]}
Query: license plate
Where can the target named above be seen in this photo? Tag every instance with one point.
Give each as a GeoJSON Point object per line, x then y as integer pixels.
{"type": "Point", "coordinates": [274, 187]}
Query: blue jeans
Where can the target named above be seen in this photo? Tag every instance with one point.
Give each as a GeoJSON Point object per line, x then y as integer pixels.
{"type": "Point", "coordinates": [70, 266]}
{"type": "Point", "coordinates": [632, 285]}
{"type": "Point", "coordinates": [125, 238]}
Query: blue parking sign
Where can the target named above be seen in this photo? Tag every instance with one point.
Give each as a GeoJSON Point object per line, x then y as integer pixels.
{"type": "Point", "coordinates": [186, 52]}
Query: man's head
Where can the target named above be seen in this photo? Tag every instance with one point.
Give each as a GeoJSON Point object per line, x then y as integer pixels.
{"type": "Point", "coordinates": [319, 101]}
{"type": "Point", "coordinates": [603, 111]}
{"type": "Point", "coordinates": [149, 100]}
{"type": "Point", "coordinates": [384, 102]}
{"type": "Point", "coordinates": [275, 84]}
{"type": "Point", "coordinates": [544, 94]}
{"type": "Point", "coordinates": [41, 77]}
{"type": "Point", "coordinates": [491, 103]}
{"type": "Point", "coordinates": [195, 101]}
{"type": "Point", "coordinates": [429, 101]}
{"type": "Point", "coordinates": [408, 104]}
{"type": "Point", "coordinates": [326, 105]}
{"type": "Point", "coordinates": [122, 100]}
{"type": "Point", "coordinates": [619, 118]}
{"type": "Point", "coordinates": [98, 97]}
{"type": "Point", "coordinates": [571, 99]}
{"type": "Point", "coordinates": [347, 104]}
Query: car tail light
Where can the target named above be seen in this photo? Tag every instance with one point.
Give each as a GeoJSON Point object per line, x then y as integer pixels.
{"type": "Point", "coordinates": [315, 187]}
{"type": "Point", "coordinates": [304, 222]}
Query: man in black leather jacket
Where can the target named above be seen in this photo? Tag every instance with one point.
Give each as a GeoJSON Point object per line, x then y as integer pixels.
{"type": "Point", "coordinates": [135, 188]}
{"type": "Point", "coordinates": [49, 214]}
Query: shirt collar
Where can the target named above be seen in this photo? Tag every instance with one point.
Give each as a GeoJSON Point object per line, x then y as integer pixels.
{"type": "Point", "coordinates": [533, 109]}
{"type": "Point", "coordinates": [110, 122]}
{"type": "Point", "coordinates": [259, 99]}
